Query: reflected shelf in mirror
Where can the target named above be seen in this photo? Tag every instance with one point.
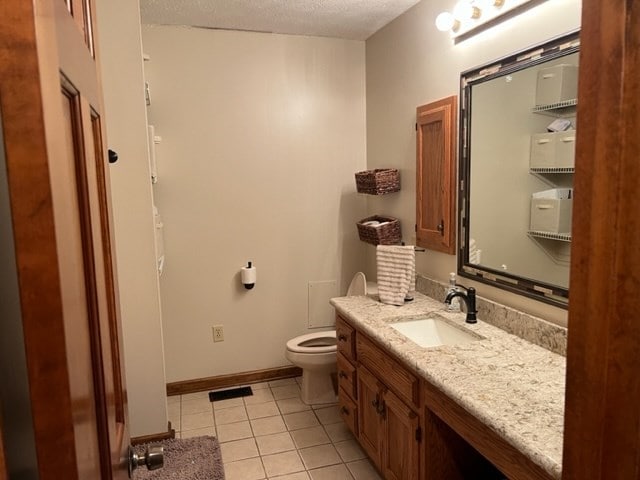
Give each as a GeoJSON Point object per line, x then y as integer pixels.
{"type": "Point", "coordinates": [564, 109]}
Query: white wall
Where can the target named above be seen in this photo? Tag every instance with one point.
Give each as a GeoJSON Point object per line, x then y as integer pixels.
{"type": "Point", "coordinates": [122, 81]}
{"type": "Point", "coordinates": [410, 63]}
{"type": "Point", "coordinates": [261, 137]}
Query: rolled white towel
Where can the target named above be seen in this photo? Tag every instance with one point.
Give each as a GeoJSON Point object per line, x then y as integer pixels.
{"type": "Point", "coordinates": [396, 272]}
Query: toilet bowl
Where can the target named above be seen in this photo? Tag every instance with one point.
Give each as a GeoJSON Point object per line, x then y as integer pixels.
{"type": "Point", "coordinates": [315, 353]}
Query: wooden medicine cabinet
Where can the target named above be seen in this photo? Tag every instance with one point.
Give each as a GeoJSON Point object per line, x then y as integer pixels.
{"type": "Point", "coordinates": [436, 175]}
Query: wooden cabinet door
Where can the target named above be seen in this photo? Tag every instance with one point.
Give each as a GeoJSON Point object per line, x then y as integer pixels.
{"type": "Point", "coordinates": [401, 452]}
{"type": "Point", "coordinates": [51, 107]}
{"type": "Point", "coordinates": [369, 419]}
{"type": "Point", "coordinates": [436, 175]}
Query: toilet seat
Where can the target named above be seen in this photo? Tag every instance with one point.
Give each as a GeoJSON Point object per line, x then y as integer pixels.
{"type": "Point", "coordinates": [358, 285]}
{"type": "Point", "coordinates": [319, 342]}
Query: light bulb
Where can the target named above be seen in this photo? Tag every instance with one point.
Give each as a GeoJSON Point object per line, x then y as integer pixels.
{"type": "Point", "coordinates": [464, 10]}
{"type": "Point", "coordinates": [489, 3]}
{"type": "Point", "coordinates": [445, 22]}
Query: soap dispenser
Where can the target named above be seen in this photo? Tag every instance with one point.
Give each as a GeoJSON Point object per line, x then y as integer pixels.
{"type": "Point", "coordinates": [454, 306]}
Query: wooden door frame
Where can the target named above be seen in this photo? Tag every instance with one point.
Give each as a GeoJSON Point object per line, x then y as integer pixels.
{"type": "Point", "coordinates": [602, 419]}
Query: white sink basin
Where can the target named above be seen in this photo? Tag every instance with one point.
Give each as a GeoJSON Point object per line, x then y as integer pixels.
{"type": "Point", "coordinates": [433, 332]}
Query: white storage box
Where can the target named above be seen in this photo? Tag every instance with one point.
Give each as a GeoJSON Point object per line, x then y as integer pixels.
{"type": "Point", "coordinates": [557, 84]}
{"type": "Point", "coordinates": [553, 150]}
{"type": "Point", "coordinates": [551, 211]}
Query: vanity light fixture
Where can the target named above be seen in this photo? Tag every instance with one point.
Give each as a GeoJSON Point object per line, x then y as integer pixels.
{"type": "Point", "coordinates": [446, 21]}
{"type": "Point", "coordinates": [471, 16]}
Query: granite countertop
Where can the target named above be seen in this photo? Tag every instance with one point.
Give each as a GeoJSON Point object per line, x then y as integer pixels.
{"type": "Point", "coordinates": [513, 386]}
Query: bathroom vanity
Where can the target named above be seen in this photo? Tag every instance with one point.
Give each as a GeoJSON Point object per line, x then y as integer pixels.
{"type": "Point", "coordinates": [453, 411]}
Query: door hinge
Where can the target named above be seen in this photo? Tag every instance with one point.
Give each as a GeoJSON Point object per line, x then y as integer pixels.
{"type": "Point", "coordinates": [416, 127]}
{"type": "Point", "coordinates": [415, 227]}
{"type": "Point", "coordinates": [419, 434]}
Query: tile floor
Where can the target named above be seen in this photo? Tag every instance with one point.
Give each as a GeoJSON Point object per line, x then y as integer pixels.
{"type": "Point", "coordinates": [273, 435]}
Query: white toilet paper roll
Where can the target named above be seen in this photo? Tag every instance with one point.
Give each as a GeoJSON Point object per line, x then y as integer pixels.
{"type": "Point", "coordinates": [248, 275]}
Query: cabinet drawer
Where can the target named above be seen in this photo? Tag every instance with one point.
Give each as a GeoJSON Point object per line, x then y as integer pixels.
{"type": "Point", "coordinates": [347, 376]}
{"type": "Point", "coordinates": [348, 411]}
{"type": "Point", "coordinates": [345, 336]}
{"type": "Point", "coordinates": [396, 376]}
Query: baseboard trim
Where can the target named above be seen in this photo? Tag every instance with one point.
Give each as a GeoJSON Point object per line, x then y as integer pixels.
{"type": "Point", "coordinates": [231, 380]}
{"type": "Point", "coordinates": [155, 437]}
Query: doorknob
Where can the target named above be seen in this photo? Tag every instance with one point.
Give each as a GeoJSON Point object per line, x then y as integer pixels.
{"type": "Point", "coordinates": [113, 156]}
{"type": "Point", "coordinates": [153, 458]}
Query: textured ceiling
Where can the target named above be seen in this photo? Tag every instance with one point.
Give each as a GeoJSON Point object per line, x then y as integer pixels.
{"type": "Point", "coordinates": [352, 19]}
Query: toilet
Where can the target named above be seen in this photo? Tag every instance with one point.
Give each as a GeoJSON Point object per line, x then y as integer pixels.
{"type": "Point", "coordinates": [316, 354]}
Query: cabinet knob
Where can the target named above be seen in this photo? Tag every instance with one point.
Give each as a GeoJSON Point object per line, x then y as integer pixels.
{"type": "Point", "coordinates": [342, 337]}
{"type": "Point", "coordinates": [344, 411]}
{"type": "Point", "coordinates": [342, 374]}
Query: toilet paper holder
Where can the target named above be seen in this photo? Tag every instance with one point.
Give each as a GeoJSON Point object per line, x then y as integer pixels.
{"type": "Point", "coordinates": [248, 276]}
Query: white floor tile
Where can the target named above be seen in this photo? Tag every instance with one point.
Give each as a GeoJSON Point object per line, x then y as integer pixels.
{"type": "Point", "coordinates": [197, 420]}
{"type": "Point", "coordinates": [234, 431]}
{"type": "Point", "coordinates": [316, 406]}
{"type": "Point", "coordinates": [350, 451]}
{"type": "Point", "coordinates": [261, 410]}
{"type": "Point", "coordinates": [238, 450]}
{"type": "Point", "coordinates": [259, 386]}
{"type": "Point", "coordinates": [282, 382]}
{"type": "Point", "coordinates": [228, 403]}
{"type": "Point", "coordinates": [334, 472]}
{"type": "Point", "coordinates": [310, 437]}
{"type": "Point", "coordinates": [196, 395]}
{"type": "Point", "coordinates": [196, 406]}
{"type": "Point", "coordinates": [275, 443]}
{"type": "Point", "coordinates": [286, 391]}
{"type": "Point", "coordinates": [273, 435]}
{"type": "Point", "coordinates": [363, 470]}
{"type": "Point", "coordinates": [259, 396]}
{"type": "Point", "coordinates": [282, 463]}
{"type": "Point", "coordinates": [296, 421]}
{"type": "Point", "coordinates": [267, 426]}
{"type": "Point", "coordinates": [329, 415]}
{"type": "Point", "coordinates": [319, 456]}
{"type": "Point", "coordinates": [230, 415]}
{"type": "Point", "coordinates": [249, 469]}
{"type": "Point", "coordinates": [198, 432]}
{"type": "Point", "coordinates": [338, 432]}
{"type": "Point", "coordinates": [292, 405]}
{"type": "Point", "coordinates": [292, 476]}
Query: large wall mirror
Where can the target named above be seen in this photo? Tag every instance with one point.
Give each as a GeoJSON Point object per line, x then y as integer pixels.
{"type": "Point", "coordinates": [517, 145]}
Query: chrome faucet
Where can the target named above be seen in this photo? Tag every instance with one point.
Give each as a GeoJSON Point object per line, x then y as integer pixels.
{"type": "Point", "coordinates": [469, 298]}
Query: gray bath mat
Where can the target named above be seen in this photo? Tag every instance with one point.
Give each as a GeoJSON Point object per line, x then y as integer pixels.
{"type": "Point", "coordinates": [196, 458]}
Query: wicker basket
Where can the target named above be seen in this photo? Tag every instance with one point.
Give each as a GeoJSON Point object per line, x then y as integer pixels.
{"type": "Point", "coordinates": [386, 234]}
{"type": "Point", "coordinates": [378, 182]}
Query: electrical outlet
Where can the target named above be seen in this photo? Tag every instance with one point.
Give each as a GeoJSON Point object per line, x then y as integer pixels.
{"type": "Point", "coordinates": [218, 333]}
